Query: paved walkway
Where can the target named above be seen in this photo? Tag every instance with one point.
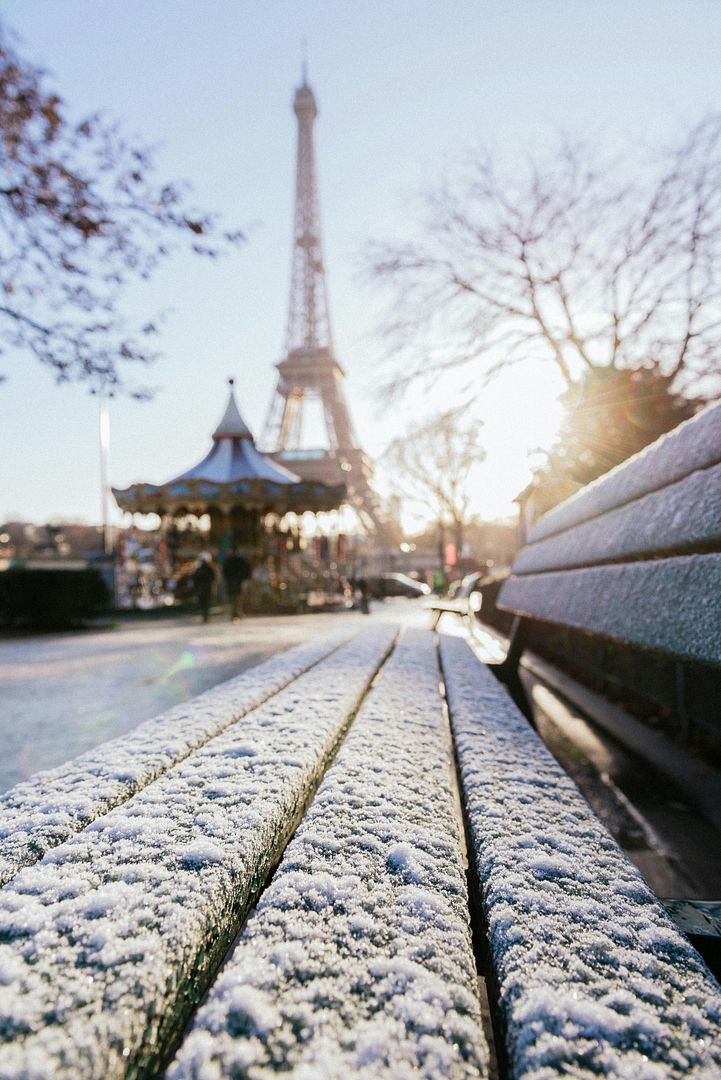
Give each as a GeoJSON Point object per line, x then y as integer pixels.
{"type": "Point", "coordinates": [64, 693]}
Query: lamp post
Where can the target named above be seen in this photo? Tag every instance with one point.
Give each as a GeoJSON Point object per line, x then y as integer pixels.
{"type": "Point", "coordinates": [104, 434]}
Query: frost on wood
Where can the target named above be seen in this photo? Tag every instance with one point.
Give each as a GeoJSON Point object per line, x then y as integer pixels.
{"type": "Point", "coordinates": [695, 444]}
{"type": "Point", "coordinates": [682, 516]}
{"type": "Point", "coordinates": [666, 604]}
{"type": "Point", "coordinates": [593, 977]}
{"type": "Point", "coordinates": [42, 812]}
{"type": "Point", "coordinates": [357, 961]}
{"type": "Point", "coordinates": [108, 942]}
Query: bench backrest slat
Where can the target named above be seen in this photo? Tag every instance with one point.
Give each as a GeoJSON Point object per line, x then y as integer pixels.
{"type": "Point", "coordinates": [681, 518]}
{"type": "Point", "coordinates": [693, 445]}
{"type": "Point", "coordinates": [638, 603]}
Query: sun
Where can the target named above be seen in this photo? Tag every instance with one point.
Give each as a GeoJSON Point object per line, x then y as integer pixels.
{"type": "Point", "coordinates": [521, 414]}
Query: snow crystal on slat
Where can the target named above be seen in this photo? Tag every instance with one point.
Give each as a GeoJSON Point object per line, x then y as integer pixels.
{"type": "Point", "coordinates": [108, 942]}
{"type": "Point", "coordinates": [357, 962]}
{"type": "Point", "coordinates": [593, 977]}
{"type": "Point", "coordinates": [52, 806]}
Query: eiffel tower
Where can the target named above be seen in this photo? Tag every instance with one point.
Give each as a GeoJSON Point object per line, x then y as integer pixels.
{"type": "Point", "coordinates": [309, 375]}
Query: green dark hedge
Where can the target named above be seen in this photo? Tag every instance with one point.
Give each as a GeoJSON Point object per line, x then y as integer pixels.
{"type": "Point", "coordinates": [51, 598]}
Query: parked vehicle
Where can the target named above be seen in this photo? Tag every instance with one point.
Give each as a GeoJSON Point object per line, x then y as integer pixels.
{"type": "Point", "coordinates": [391, 584]}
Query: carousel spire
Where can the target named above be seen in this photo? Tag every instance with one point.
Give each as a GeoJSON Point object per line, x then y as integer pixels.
{"type": "Point", "coordinates": [232, 426]}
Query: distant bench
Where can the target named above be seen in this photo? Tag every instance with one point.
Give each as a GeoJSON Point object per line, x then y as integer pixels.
{"type": "Point", "coordinates": [465, 602]}
{"type": "Point", "coordinates": [305, 870]}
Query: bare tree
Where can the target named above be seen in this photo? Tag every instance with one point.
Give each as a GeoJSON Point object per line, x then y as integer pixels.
{"type": "Point", "coordinates": [81, 216]}
{"type": "Point", "coordinates": [581, 262]}
{"type": "Point", "coordinates": [431, 462]}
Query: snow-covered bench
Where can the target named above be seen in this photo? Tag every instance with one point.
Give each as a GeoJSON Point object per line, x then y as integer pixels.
{"type": "Point", "coordinates": [635, 557]}
{"type": "Point", "coordinates": [155, 920]}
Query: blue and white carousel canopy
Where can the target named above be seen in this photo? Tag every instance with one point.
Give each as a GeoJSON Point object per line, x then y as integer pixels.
{"type": "Point", "coordinates": [233, 455]}
{"type": "Point", "coordinates": [233, 469]}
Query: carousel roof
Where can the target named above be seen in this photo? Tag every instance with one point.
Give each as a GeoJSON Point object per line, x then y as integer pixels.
{"type": "Point", "coordinates": [233, 471]}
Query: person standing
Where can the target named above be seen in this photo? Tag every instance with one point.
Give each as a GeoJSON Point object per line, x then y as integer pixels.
{"type": "Point", "coordinates": [365, 592]}
{"type": "Point", "coordinates": [203, 582]}
{"type": "Point", "coordinates": [236, 571]}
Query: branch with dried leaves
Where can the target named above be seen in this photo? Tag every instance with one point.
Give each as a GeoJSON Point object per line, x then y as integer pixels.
{"type": "Point", "coordinates": [82, 216]}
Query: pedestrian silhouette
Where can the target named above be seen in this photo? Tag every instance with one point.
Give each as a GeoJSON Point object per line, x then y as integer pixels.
{"type": "Point", "coordinates": [236, 571]}
{"type": "Point", "coordinates": [203, 581]}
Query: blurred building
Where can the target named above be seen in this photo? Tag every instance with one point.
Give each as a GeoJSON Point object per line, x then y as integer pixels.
{"type": "Point", "coordinates": [27, 543]}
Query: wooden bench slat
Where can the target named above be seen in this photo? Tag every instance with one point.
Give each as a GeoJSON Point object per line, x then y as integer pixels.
{"type": "Point", "coordinates": [685, 515]}
{"type": "Point", "coordinates": [693, 445]}
{"type": "Point", "coordinates": [357, 961]}
{"type": "Point", "coordinates": [107, 944]}
{"type": "Point", "coordinates": [52, 806]}
{"type": "Point", "coordinates": [593, 977]}
{"type": "Point", "coordinates": [669, 605]}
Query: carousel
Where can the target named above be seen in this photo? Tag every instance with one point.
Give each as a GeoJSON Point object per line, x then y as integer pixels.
{"type": "Point", "coordinates": [238, 499]}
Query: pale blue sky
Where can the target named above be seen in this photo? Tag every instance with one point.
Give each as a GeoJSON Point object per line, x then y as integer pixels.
{"type": "Point", "coordinates": [403, 85]}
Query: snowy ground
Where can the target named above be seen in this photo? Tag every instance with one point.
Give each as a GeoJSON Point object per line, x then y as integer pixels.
{"type": "Point", "coordinates": [65, 693]}
{"type": "Point", "coordinates": [676, 849]}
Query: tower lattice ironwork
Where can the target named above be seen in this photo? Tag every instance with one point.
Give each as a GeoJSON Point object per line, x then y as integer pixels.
{"type": "Point", "coordinates": [309, 370]}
